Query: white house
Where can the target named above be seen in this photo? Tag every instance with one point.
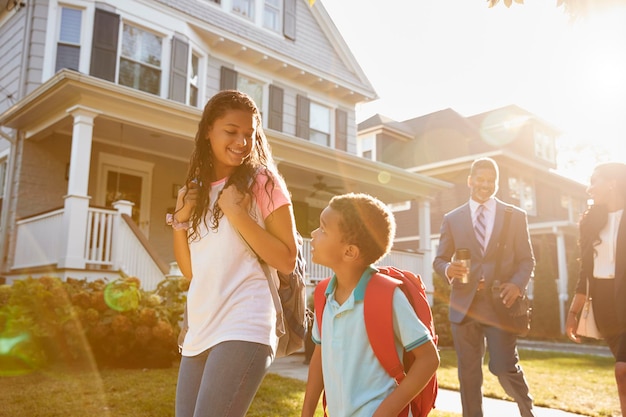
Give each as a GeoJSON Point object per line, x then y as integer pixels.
{"type": "Point", "coordinates": [99, 105]}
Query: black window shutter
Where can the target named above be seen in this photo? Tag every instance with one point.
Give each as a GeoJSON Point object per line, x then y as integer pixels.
{"type": "Point", "coordinates": [178, 73]}
{"type": "Point", "coordinates": [302, 117]}
{"type": "Point", "coordinates": [276, 108]}
{"type": "Point", "coordinates": [104, 51]}
{"type": "Point", "coordinates": [228, 79]}
{"type": "Point", "coordinates": [289, 19]}
{"type": "Point", "coordinates": [341, 130]}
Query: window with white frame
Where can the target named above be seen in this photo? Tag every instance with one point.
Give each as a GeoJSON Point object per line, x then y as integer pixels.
{"type": "Point", "coordinates": [544, 146]}
{"type": "Point", "coordinates": [523, 190]}
{"type": "Point", "coordinates": [253, 88]}
{"type": "Point", "coordinates": [366, 147]}
{"type": "Point", "coordinates": [244, 8]}
{"type": "Point", "coordinates": [319, 124]}
{"type": "Point", "coordinates": [140, 60]}
{"type": "Point", "coordinates": [194, 79]}
{"type": "Point", "coordinates": [269, 14]}
{"type": "Point", "coordinates": [272, 15]}
{"type": "Point", "coordinates": [68, 44]}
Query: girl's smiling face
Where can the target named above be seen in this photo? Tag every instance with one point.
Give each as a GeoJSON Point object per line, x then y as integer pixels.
{"type": "Point", "coordinates": [232, 138]}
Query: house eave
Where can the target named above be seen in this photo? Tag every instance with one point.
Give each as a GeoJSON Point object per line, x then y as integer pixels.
{"type": "Point", "coordinates": [67, 89]}
{"type": "Point", "coordinates": [154, 124]}
{"type": "Point", "coordinates": [356, 174]}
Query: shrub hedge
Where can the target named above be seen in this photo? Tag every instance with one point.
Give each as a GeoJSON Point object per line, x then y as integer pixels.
{"type": "Point", "coordinates": [46, 321]}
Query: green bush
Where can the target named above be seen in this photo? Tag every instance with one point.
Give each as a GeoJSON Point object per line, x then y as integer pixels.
{"type": "Point", "coordinates": [49, 321]}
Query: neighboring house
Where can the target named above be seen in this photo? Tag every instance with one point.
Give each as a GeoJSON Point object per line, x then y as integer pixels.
{"type": "Point", "coordinates": [443, 145]}
{"type": "Point", "coordinates": [99, 106]}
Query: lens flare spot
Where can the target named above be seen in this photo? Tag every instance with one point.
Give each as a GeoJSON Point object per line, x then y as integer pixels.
{"type": "Point", "coordinates": [19, 355]}
{"type": "Point", "coordinates": [384, 177]}
{"type": "Point", "coordinates": [122, 295]}
{"type": "Point", "coordinates": [502, 127]}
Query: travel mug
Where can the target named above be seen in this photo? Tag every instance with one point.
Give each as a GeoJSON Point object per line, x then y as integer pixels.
{"type": "Point", "coordinates": [463, 256]}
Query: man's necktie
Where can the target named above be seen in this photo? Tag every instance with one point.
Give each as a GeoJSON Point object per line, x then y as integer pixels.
{"type": "Point", "coordinates": [480, 227]}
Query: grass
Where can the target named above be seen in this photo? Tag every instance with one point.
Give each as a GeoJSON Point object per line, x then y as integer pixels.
{"type": "Point", "coordinates": [579, 383]}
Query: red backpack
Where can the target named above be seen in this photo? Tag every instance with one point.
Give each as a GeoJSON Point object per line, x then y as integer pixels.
{"type": "Point", "coordinates": [378, 313]}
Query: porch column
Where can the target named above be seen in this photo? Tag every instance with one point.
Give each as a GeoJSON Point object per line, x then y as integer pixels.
{"type": "Point", "coordinates": [563, 278]}
{"type": "Point", "coordinates": [72, 249]}
{"type": "Point", "coordinates": [122, 207]}
{"type": "Point", "coordinates": [425, 246]}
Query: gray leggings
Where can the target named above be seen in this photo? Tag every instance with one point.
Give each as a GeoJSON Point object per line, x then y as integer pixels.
{"type": "Point", "coordinates": [221, 381]}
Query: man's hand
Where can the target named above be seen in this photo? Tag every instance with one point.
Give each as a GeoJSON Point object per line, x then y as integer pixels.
{"type": "Point", "coordinates": [509, 293]}
{"type": "Point", "coordinates": [456, 270]}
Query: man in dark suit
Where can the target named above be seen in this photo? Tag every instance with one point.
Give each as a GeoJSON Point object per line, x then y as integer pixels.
{"type": "Point", "coordinates": [477, 226]}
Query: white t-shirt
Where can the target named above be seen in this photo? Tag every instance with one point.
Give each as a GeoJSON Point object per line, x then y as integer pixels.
{"type": "Point", "coordinates": [604, 262]}
{"type": "Point", "coordinates": [229, 296]}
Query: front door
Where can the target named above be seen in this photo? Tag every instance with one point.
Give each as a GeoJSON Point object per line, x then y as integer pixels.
{"type": "Point", "coordinates": [122, 178]}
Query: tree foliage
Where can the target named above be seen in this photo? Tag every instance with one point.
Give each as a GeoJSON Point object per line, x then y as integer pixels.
{"type": "Point", "coordinates": [574, 8]}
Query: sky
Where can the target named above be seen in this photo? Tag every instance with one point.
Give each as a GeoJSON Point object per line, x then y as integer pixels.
{"type": "Point", "coordinates": [422, 56]}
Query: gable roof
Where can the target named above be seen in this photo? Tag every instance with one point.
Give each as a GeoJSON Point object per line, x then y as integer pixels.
{"type": "Point", "coordinates": [511, 114]}
{"type": "Point", "coordinates": [318, 56]}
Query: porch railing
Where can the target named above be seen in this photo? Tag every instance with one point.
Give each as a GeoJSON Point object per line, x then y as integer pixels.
{"type": "Point", "coordinates": [37, 240]}
{"type": "Point", "coordinates": [402, 260]}
{"type": "Point", "coordinates": [98, 242]}
{"type": "Point", "coordinates": [134, 258]}
{"type": "Point", "coordinates": [111, 244]}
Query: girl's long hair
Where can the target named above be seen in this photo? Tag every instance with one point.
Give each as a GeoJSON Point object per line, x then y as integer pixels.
{"type": "Point", "coordinates": [596, 216]}
{"type": "Point", "coordinates": [201, 162]}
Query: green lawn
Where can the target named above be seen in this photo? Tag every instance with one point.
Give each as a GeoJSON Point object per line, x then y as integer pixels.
{"type": "Point", "coordinates": [579, 383]}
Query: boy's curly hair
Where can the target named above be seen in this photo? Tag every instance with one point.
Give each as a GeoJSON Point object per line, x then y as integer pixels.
{"type": "Point", "coordinates": [367, 223]}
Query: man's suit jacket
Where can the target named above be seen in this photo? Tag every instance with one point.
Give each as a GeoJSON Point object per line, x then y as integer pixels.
{"type": "Point", "coordinates": [517, 264]}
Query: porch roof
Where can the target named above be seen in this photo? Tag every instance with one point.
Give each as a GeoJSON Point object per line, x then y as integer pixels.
{"type": "Point", "coordinates": [136, 120]}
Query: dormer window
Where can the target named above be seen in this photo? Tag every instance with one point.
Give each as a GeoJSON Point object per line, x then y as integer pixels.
{"type": "Point", "coordinates": [244, 8]}
{"type": "Point", "coordinates": [544, 146]}
{"type": "Point", "coordinates": [275, 15]}
{"type": "Point", "coordinates": [272, 15]}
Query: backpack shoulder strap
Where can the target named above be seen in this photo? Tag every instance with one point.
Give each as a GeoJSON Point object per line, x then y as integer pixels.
{"type": "Point", "coordinates": [319, 300]}
{"type": "Point", "coordinates": [508, 211]}
{"type": "Point", "coordinates": [378, 312]}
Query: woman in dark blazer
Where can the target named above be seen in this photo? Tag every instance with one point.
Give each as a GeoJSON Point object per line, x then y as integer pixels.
{"type": "Point", "coordinates": [602, 244]}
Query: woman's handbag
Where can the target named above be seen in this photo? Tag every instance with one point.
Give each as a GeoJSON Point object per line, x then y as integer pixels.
{"type": "Point", "coordinates": [587, 326]}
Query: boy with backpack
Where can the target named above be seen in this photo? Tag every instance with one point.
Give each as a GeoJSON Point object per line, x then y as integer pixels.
{"type": "Point", "coordinates": [356, 230]}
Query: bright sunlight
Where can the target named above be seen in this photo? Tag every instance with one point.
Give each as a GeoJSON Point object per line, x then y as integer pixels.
{"type": "Point", "coordinates": [427, 56]}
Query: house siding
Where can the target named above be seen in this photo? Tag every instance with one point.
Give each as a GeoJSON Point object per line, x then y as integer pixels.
{"type": "Point", "coordinates": [12, 35]}
{"type": "Point", "coordinates": [34, 66]}
{"type": "Point", "coordinates": [42, 182]}
{"type": "Point", "coordinates": [311, 46]}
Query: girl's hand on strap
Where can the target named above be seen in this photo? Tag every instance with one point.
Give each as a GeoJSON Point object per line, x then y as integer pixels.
{"type": "Point", "coordinates": [233, 203]}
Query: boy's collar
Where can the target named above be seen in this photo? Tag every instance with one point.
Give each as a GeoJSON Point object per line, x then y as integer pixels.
{"type": "Point", "coordinates": [359, 290]}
